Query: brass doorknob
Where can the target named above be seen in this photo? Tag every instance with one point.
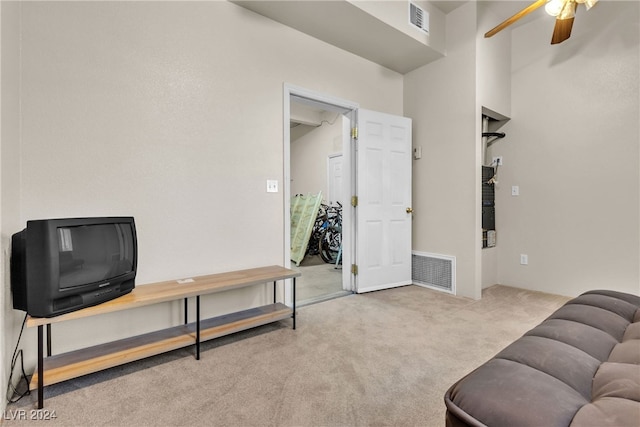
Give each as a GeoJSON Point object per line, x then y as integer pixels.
{"type": "Point", "coordinates": [409, 210]}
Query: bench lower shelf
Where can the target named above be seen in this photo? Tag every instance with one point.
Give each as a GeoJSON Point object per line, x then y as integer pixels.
{"type": "Point", "coordinates": [62, 367]}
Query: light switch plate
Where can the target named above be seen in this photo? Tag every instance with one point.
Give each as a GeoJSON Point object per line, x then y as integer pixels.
{"type": "Point", "coordinates": [272, 186]}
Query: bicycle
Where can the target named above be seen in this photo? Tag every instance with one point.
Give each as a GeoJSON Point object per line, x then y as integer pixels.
{"type": "Point", "coordinates": [330, 241]}
{"type": "Point", "coordinates": [313, 247]}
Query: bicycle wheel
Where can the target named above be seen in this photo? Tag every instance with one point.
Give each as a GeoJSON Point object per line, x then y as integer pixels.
{"type": "Point", "coordinates": [313, 246]}
{"type": "Point", "coordinates": [330, 243]}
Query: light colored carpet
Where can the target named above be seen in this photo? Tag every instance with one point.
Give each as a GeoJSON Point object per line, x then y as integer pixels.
{"type": "Point", "coordinates": [384, 358]}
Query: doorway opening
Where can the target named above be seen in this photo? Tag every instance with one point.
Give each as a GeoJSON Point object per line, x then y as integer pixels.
{"type": "Point", "coordinates": [318, 183]}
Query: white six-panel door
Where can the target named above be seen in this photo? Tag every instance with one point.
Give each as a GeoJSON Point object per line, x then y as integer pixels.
{"type": "Point", "coordinates": [383, 214]}
{"type": "Point", "coordinates": [335, 178]}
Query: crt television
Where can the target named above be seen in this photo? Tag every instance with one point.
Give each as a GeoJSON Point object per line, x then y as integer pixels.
{"type": "Point", "coordinates": [62, 265]}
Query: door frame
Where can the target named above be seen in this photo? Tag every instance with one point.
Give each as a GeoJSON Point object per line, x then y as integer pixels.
{"type": "Point", "coordinates": [349, 109]}
{"type": "Point", "coordinates": [330, 157]}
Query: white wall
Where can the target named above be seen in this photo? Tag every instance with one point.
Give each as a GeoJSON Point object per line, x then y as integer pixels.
{"type": "Point", "coordinates": [441, 99]}
{"type": "Point", "coordinates": [396, 15]}
{"type": "Point", "coordinates": [170, 112]}
{"type": "Point", "coordinates": [572, 146]}
{"type": "Point", "coordinates": [493, 62]}
{"type": "Point", "coordinates": [493, 88]}
{"type": "Point", "coordinates": [309, 156]}
{"type": "Point", "coordinates": [4, 342]}
{"type": "Point", "coordinates": [10, 320]}
{"type": "Point", "coordinates": [573, 149]}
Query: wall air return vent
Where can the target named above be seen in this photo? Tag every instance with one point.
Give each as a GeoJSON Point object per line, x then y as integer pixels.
{"type": "Point", "coordinates": [434, 271]}
{"type": "Point", "coordinates": [419, 17]}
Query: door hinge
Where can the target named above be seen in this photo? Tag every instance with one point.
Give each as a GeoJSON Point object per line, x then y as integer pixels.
{"type": "Point", "coordinates": [354, 269]}
{"type": "Point", "coordinates": [354, 201]}
{"type": "Point", "coordinates": [354, 133]}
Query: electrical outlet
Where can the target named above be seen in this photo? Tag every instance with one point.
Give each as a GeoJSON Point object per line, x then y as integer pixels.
{"type": "Point", "coordinates": [515, 190]}
{"type": "Point", "coordinates": [524, 259]}
{"type": "Point", "coordinates": [497, 161]}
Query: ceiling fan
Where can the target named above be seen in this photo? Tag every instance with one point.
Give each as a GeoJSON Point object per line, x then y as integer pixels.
{"type": "Point", "coordinates": [563, 10]}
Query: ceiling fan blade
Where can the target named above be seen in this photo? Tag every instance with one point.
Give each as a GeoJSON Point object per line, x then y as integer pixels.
{"type": "Point", "coordinates": [524, 12]}
{"type": "Point", "coordinates": [562, 30]}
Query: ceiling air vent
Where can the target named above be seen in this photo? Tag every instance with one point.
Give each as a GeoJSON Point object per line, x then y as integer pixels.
{"type": "Point", "coordinates": [419, 17]}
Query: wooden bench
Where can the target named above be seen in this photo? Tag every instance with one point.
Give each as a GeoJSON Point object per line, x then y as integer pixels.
{"type": "Point", "coordinates": [65, 366]}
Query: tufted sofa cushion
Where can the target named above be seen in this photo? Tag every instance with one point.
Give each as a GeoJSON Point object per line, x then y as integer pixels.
{"type": "Point", "coordinates": [580, 367]}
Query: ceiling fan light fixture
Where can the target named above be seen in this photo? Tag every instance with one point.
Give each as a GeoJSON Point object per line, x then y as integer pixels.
{"type": "Point", "coordinates": [569, 10]}
{"type": "Point", "coordinates": [554, 7]}
{"type": "Point", "coordinates": [561, 9]}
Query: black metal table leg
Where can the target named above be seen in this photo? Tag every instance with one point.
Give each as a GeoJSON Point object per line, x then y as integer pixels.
{"type": "Point", "coordinates": [40, 367]}
{"type": "Point", "coordinates": [198, 327]}
{"type": "Point", "coordinates": [186, 311]}
{"type": "Point", "coordinates": [294, 303]}
{"type": "Point", "coordinates": [274, 291]}
{"type": "Point", "coordinates": [48, 339]}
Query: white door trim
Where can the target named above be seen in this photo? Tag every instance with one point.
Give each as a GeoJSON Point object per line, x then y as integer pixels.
{"type": "Point", "coordinates": [328, 102]}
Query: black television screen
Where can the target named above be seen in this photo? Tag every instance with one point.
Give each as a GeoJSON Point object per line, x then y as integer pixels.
{"type": "Point", "coordinates": [62, 265]}
{"type": "Point", "coordinates": [92, 253]}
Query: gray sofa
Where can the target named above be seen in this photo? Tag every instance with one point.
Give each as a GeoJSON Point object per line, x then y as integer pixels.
{"type": "Point", "coordinates": [580, 367]}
